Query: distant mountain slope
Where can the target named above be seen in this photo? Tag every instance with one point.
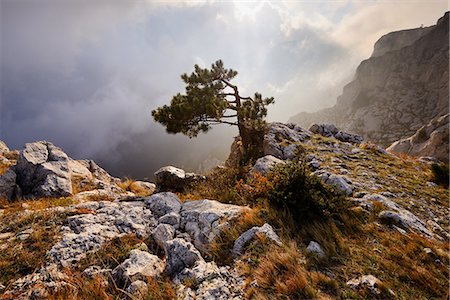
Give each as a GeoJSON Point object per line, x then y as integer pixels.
{"type": "Point", "coordinates": [400, 88]}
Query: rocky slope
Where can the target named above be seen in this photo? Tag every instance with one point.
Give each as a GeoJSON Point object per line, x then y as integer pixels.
{"type": "Point", "coordinates": [399, 89]}
{"type": "Point", "coordinates": [73, 231]}
{"type": "Point", "coordinates": [430, 140]}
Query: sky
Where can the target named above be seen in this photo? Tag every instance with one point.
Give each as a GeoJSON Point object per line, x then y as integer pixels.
{"type": "Point", "coordinates": [85, 75]}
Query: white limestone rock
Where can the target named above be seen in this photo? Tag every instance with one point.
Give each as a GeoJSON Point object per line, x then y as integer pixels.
{"type": "Point", "coordinates": [163, 203]}
{"type": "Point", "coordinates": [265, 163]}
{"type": "Point", "coordinates": [246, 237]}
{"type": "Point", "coordinates": [205, 219]}
{"type": "Point", "coordinates": [139, 266]}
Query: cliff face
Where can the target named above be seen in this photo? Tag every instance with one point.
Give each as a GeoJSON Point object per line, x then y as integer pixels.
{"type": "Point", "coordinates": [400, 88]}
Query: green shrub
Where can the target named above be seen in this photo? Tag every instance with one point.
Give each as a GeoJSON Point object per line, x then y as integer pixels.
{"type": "Point", "coordinates": [440, 174]}
{"type": "Point", "coordinates": [304, 195]}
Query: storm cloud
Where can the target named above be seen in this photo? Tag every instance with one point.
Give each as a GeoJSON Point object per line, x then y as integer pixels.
{"type": "Point", "coordinates": [86, 75]}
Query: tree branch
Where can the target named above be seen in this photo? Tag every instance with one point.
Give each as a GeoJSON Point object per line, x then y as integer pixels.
{"type": "Point", "coordinates": [247, 98]}
{"type": "Point", "coordinates": [216, 122]}
{"type": "Point", "coordinates": [230, 116]}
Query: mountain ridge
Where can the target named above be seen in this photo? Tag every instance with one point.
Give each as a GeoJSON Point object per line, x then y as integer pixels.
{"type": "Point", "coordinates": [394, 93]}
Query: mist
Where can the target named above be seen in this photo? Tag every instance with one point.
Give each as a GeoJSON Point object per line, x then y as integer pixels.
{"type": "Point", "coordinates": [87, 76]}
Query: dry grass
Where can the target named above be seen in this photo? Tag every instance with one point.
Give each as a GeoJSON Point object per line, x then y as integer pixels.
{"type": "Point", "coordinates": [82, 184]}
{"type": "Point", "coordinates": [280, 274]}
{"type": "Point", "coordinates": [111, 254]}
{"type": "Point", "coordinates": [84, 288]}
{"type": "Point", "coordinates": [20, 258]}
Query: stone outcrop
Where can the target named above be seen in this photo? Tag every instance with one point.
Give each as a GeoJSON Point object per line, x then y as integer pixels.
{"type": "Point", "coordinates": [330, 130]}
{"type": "Point", "coordinates": [399, 89]}
{"type": "Point", "coordinates": [170, 178]}
{"type": "Point", "coordinates": [430, 140]}
{"type": "Point", "coordinates": [205, 219]}
{"type": "Point", "coordinates": [43, 171]}
{"type": "Point", "coordinates": [315, 249]}
{"type": "Point", "coordinates": [249, 235]}
{"type": "Point", "coordinates": [264, 164]}
{"type": "Point", "coordinates": [279, 134]}
{"type": "Point", "coordinates": [8, 185]}
{"type": "Point", "coordinates": [139, 266]}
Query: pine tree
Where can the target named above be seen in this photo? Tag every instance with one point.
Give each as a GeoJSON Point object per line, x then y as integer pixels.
{"type": "Point", "coordinates": [212, 99]}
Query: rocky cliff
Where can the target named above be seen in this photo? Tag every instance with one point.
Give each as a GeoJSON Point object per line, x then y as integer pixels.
{"type": "Point", "coordinates": [400, 88]}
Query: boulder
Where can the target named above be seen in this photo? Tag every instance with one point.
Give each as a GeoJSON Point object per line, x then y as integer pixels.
{"type": "Point", "coordinates": [314, 248]}
{"type": "Point", "coordinates": [163, 233]}
{"type": "Point", "coordinates": [250, 234]}
{"type": "Point", "coordinates": [8, 184]}
{"type": "Point", "coordinates": [163, 203]}
{"type": "Point", "coordinates": [139, 266]}
{"type": "Point", "coordinates": [264, 164]}
{"type": "Point", "coordinates": [330, 130]}
{"type": "Point", "coordinates": [406, 220]}
{"type": "Point", "coordinates": [203, 220]}
{"type": "Point", "coordinates": [43, 171]}
{"type": "Point", "coordinates": [180, 254]}
{"type": "Point", "coordinates": [171, 218]}
{"type": "Point", "coordinates": [170, 178]}
{"type": "Point", "coordinates": [340, 182]}
{"type": "Point", "coordinates": [282, 140]}
{"type": "Point", "coordinates": [430, 140]}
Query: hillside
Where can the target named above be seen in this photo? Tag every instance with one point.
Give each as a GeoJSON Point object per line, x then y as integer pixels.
{"type": "Point", "coordinates": [400, 88]}
{"type": "Point", "coordinates": [323, 215]}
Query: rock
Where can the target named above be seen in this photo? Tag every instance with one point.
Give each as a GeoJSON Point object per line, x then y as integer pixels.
{"type": "Point", "coordinates": [8, 184]}
{"type": "Point", "coordinates": [370, 282]}
{"type": "Point", "coordinates": [349, 137]}
{"type": "Point", "coordinates": [281, 140]}
{"type": "Point", "coordinates": [87, 232]}
{"type": "Point", "coordinates": [264, 164]}
{"type": "Point", "coordinates": [3, 147]}
{"type": "Point", "coordinates": [24, 234]}
{"type": "Point", "coordinates": [43, 171]}
{"type": "Point", "coordinates": [212, 282]}
{"type": "Point", "coordinates": [144, 187]}
{"type": "Point", "coordinates": [180, 254]}
{"type": "Point", "coordinates": [97, 172]}
{"type": "Point", "coordinates": [92, 271]}
{"type": "Point", "coordinates": [138, 289]}
{"type": "Point", "coordinates": [405, 219]}
{"type": "Point", "coordinates": [170, 178]}
{"type": "Point", "coordinates": [314, 248]}
{"type": "Point", "coordinates": [340, 182]}
{"type": "Point", "coordinates": [330, 130]}
{"type": "Point", "coordinates": [163, 203]}
{"type": "Point", "coordinates": [205, 219]}
{"type": "Point", "coordinates": [431, 140]}
{"type": "Point", "coordinates": [171, 219]}
{"type": "Point", "coordinates": [236, 153]}
{"type": "Point", "coordinates": [139, 266]}
{"type": "Point", "coordinates": [250, 234]}
{"type": "Point", "coordinates": [163, 233]}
